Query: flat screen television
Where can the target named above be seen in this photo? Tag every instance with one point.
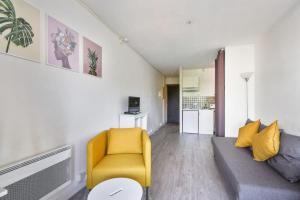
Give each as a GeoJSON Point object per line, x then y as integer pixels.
{"type": "Point", "coordinates": [134, 105]}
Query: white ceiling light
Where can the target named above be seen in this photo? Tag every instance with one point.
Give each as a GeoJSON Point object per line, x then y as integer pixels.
{"type": "Point", "coordinates": [188, 22]}
{"type": "Point", "coordinates": [123, 40]}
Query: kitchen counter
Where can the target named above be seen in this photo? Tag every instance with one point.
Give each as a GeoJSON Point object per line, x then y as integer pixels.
{"type": "Point", "coordinates": [190, 109]}
{"type": "Point", "coordinates": [195, 109]}
{"type": "Point", "coordinates": [199, 121]}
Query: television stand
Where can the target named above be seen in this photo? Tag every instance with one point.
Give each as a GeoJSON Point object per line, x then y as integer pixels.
{"type": "Point", "coordinates": [134, 120]}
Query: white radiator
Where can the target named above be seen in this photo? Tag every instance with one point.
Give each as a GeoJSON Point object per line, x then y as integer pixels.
{"type": "Point", "coordinates": [38, 177]}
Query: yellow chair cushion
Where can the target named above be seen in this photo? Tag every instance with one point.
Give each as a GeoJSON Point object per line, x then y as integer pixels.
{"type": "Point", "coordinates": [124, 140]}
{"type": "Point", "coordinates": [120, 165]}
{"type": "Point", "coordinates": [246, 134]}
{"type": "Point", "coordinates": [266, 143]}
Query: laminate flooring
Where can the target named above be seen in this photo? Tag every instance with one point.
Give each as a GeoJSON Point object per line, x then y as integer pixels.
{"type": "Point", "coordinates": [183, 168]}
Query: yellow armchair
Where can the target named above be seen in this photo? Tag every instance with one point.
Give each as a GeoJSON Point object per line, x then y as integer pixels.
{"type": "Point", "coordinates": [119, 153]}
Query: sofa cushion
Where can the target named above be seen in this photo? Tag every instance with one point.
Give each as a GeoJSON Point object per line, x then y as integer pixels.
{"type": "Point", "coordinates": [265, 144]}
{"type": "Point", "coordinates": [120, 165]}
{"type": "Point", "coordinates": [246, 134]}
{"type": "Point", "coordinates": [124, 140]}
{"type": "Point", "coordinates": [250, 179]}
{"type": "Point", "coordinates": [287, 162]}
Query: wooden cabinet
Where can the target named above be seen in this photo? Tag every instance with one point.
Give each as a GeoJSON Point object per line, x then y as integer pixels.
{"type": "Point", "coordinates": [190, 121]}
{"type": "Point", "coordinates": [206, 122]}
{"type": "Point", "coordinates": [190, 83]}
{"type": "Point", "coordinates": [198, 121]}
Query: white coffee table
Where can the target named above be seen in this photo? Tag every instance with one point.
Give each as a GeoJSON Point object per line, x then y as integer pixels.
{"type": "Point", "coordinates": [117, 189]}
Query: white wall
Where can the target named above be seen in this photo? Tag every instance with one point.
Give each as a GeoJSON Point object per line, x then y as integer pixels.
{"type": "Point", "coordinates": [43, 107]}
{"type": "Point", "coordinates": [278, 74]}
{"type": "Point", "coordinates": [172, 80]}
{"type": "Point", "coordinates": [238, 59]}
{"type": "Point", "coordinates": [206, 81]}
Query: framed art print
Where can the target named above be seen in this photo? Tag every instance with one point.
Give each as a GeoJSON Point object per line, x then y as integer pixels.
{"type": "Point", "coordinates": [92, 58]}
{"type": "Point", "coordinates": [20, 29]}
{"type": "Point", "coordinates": [62, 45]}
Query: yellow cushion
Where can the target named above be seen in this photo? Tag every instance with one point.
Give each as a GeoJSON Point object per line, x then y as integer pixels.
{"type": "Point", "coordinates": [266, 143]}
{"type": "Point", "coordinates": [120, 165]}
{"type": "Point", "coordinates": [246, 134]}
{"type": "Point", "coordinates": [124, 140]}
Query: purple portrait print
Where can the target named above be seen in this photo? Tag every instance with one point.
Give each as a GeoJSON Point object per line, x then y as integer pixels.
{"type": "Point", "coordinates": [92, 58]}
{"type": "Point", "coordinates": [63, 50]}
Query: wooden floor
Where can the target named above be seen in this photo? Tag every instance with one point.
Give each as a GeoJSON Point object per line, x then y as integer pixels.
{"type": "Point", "coordinates": [183, 168]}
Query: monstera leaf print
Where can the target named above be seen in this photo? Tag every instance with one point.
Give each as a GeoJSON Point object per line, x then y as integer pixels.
{"type": "Point", "coordinates": [16, 29]}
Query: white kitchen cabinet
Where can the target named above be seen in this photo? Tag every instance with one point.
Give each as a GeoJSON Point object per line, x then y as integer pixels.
{"type": "Point", "coordinates": [206, 121]}
{"type": "Point", "coordinates": [190, 120]}
{"type": "Point", "coordinates": [190, 82]}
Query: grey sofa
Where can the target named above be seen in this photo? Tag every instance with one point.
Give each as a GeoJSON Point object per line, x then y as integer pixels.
{"type": "Point", "coordinates": [248, 179]}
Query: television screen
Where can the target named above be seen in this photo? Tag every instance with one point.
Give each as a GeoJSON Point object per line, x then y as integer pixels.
{"type": "Point", "coordinates": [134, 104]}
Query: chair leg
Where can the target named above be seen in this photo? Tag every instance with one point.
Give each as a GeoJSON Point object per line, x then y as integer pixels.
{"type": "Point", "coordinates": [147, 193]}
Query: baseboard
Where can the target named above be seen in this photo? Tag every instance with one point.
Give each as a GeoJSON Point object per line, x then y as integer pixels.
{"type": "Point", "coordinates": [52, 194]}
{"type": "Point", "coordinates": [69, 191]}
{"type": "Point", "coordinates": [151, 132]}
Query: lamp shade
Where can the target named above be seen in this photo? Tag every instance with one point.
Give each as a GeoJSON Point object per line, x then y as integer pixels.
{"type": "Point", "coordinates": [246, 76]}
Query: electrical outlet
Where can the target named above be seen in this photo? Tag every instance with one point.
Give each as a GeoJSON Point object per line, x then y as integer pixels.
{"type": "Point", "coordinates": [81, 177]}
{"type": "Point", "coordinates": [84, 177]}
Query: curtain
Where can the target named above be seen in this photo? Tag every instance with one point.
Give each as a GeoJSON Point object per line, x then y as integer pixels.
{"type": "Point", "coordinates": [220, 94]}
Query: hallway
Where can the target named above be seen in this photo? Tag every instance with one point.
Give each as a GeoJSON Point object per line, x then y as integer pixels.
{"type": "Point", "coordinates": [183, 167]}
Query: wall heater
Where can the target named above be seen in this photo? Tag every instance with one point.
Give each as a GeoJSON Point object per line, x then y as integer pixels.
{"type": "Point", "coordinates": [39, 177]}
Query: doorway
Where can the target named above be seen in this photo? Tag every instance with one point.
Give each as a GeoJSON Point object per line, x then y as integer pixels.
{"type": "Point", "coordinates": [173, 104]}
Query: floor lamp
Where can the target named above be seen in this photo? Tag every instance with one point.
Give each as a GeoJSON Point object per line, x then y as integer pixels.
{"type": "Point", "coordinates": [246, 76]}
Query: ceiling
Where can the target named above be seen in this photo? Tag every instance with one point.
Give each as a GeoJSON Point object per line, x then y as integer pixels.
{"type": "Point", "coordinates": [159, 29]}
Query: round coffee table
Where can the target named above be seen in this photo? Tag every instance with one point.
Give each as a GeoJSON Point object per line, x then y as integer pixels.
{"type": "Point", "coordinates": [117, 189]}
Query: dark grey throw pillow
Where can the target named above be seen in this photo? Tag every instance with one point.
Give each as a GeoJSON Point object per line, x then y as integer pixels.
{"type": "Point", "coordinates": [261, 127]}
{"type": "Point", "coordinates": [287, 162]}
{"type": "Point", "coordinates": [249, 121]}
